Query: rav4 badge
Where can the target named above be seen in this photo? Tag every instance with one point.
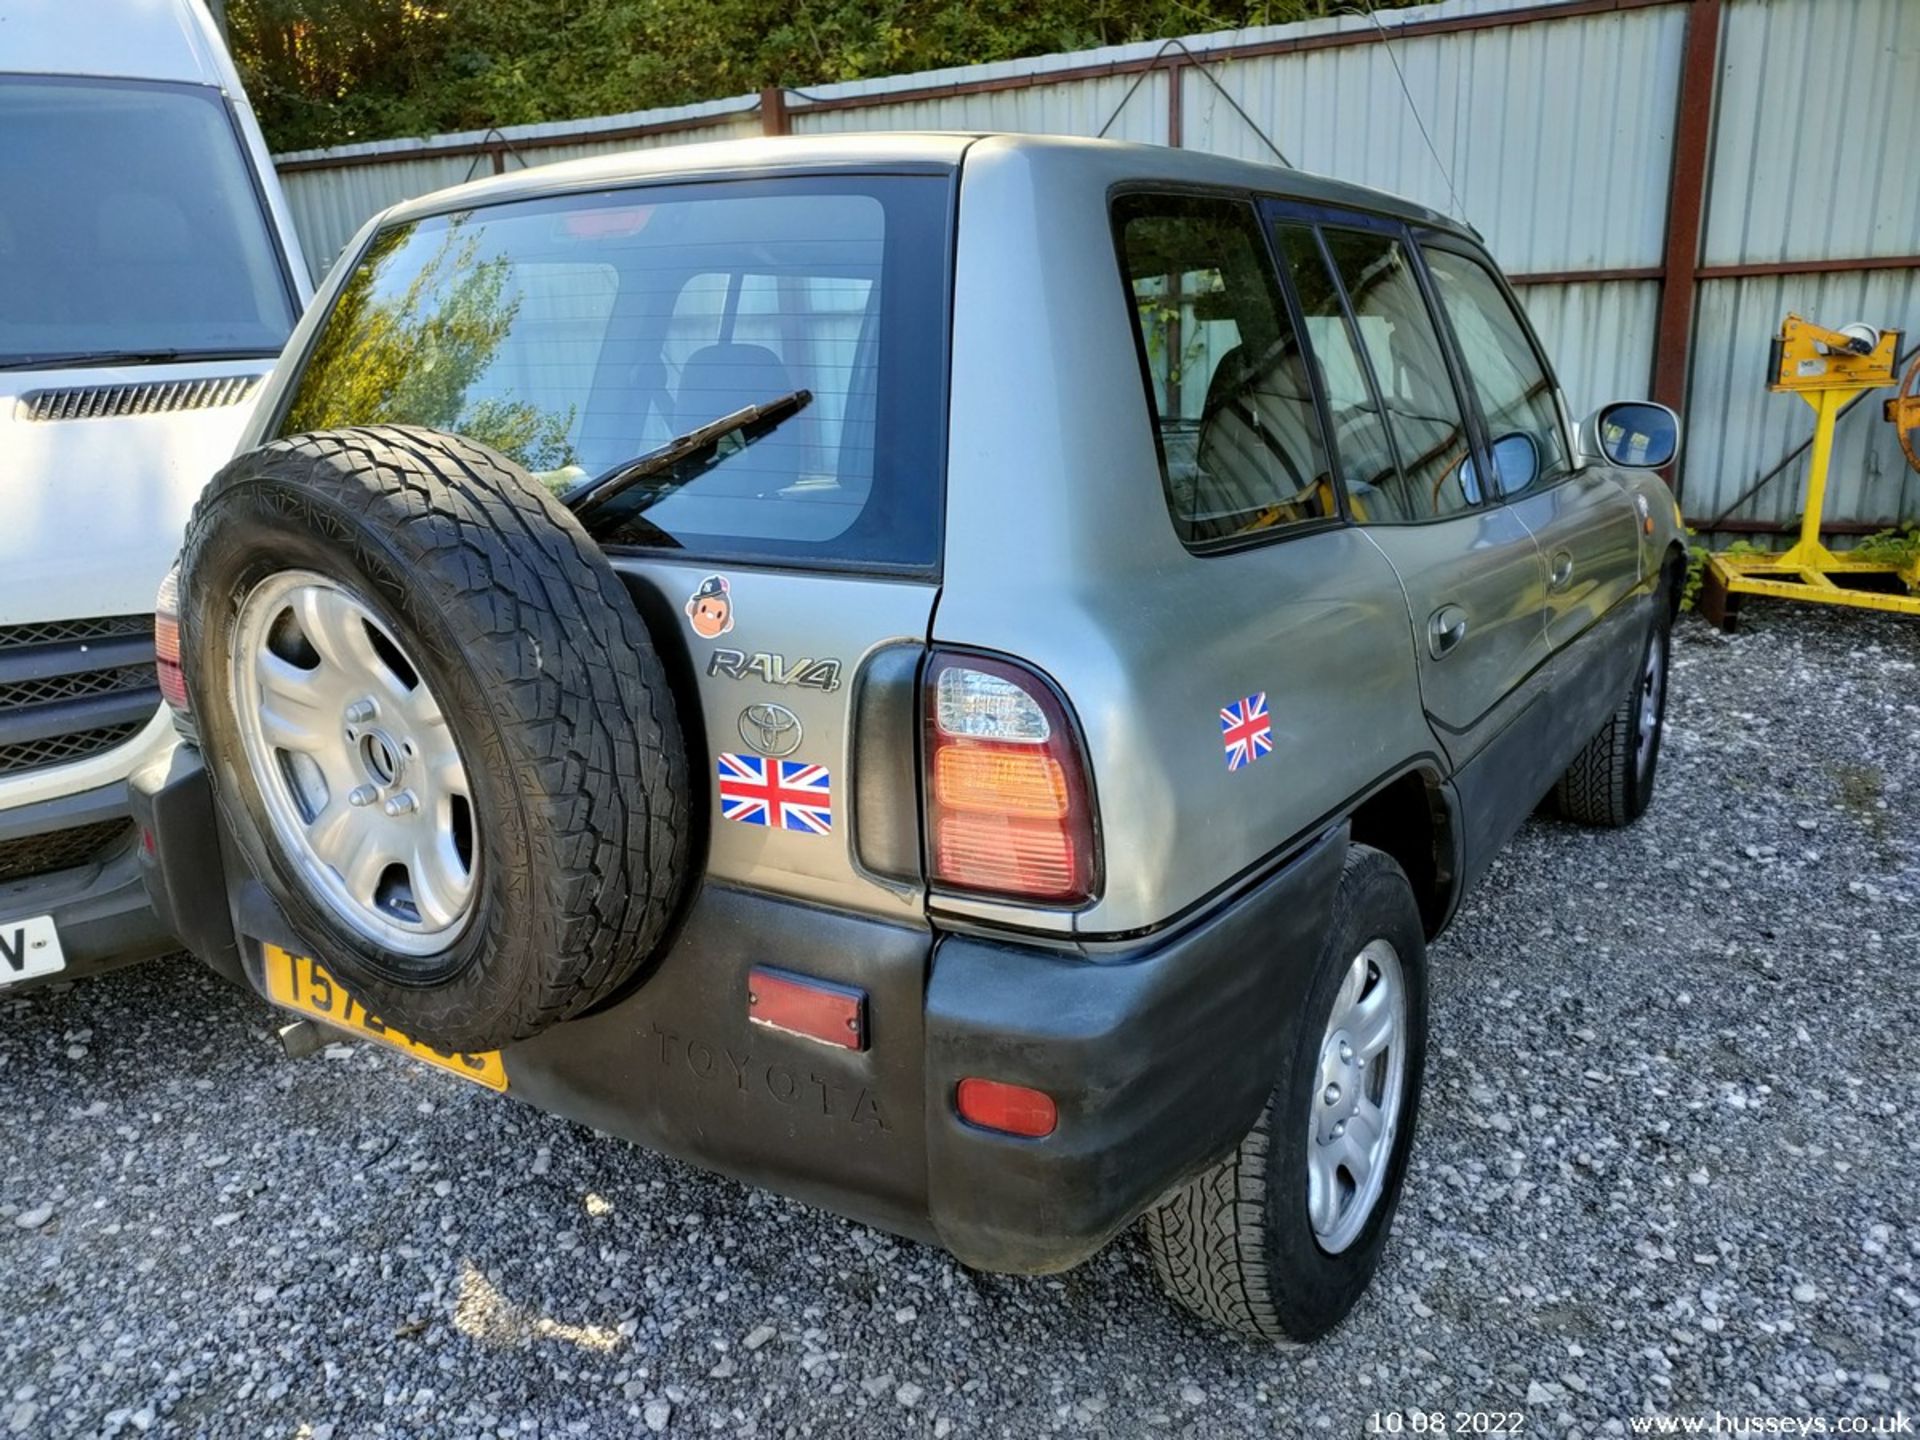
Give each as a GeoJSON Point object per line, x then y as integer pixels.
{"type": "Point", "coordinates": [775, 669]}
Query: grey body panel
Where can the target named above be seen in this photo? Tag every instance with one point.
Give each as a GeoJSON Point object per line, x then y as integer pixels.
{"type": "Point", "coordinates": [1589, 537]}
{"type": "Point", "coordinates": [1481, 570]}
{"type": "Point", "coordinates": [800, 621]}
{"type": "Point", "coordinates": [1058, 550]}
{"type": "Point", "coordinates": [1557, 713]}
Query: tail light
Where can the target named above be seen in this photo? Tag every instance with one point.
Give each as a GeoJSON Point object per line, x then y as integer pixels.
{"type": "Point", "coordinates": [1009, 810]}
{"type": "Point", "coordinates": [166, 642]}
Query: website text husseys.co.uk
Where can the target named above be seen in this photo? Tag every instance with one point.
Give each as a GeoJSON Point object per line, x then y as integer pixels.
{"type": "Point", "coordinates": [1722, 1423]}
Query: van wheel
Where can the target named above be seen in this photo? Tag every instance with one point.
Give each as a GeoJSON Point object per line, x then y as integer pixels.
{"type": "Point", "coordinates": [1280, 1239]}
{"type": "Point", "coordinates": [1610, 782]}
{"type": "Point", "coordinates": [437, 729]}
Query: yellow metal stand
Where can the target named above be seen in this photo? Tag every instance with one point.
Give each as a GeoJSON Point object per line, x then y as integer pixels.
{"type": "Point", "coordinates": [1826, 368]}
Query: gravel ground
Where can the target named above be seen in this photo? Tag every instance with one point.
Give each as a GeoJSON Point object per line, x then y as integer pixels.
{"type": "Point", "coordinates": [1667, 1165]}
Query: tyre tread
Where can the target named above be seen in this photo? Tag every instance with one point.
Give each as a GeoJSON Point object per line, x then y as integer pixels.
{"type": "Point", "coordinates": [1209, 1240]}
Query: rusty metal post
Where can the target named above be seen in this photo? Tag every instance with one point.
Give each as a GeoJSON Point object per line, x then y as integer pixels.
{"type": "Point", "coordinates": [1686, 206]}
{"type": "Point", "coordinates": [1176, 119]}
{"type": "Point", "coordinates": [773, 110]}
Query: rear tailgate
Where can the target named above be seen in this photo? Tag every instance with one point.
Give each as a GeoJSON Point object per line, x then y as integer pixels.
{"type": "Point", "coordinates": [804, 702]}
{"type": "Point", "coordinates": [583, 332]}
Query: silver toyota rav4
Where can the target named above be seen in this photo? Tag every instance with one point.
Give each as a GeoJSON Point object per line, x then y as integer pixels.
{"type": "Point", "coordinates": [953, 677]}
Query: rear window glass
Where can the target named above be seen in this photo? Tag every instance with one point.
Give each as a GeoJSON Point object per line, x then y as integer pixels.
{"type": "Point", "coordinates": [577, 334]}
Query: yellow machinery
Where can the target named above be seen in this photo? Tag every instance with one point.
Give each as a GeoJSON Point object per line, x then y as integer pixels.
{"type": "Point", "coordinates": [1826, 368]}
{"type": "Point", "coordinates": [1903, 413]}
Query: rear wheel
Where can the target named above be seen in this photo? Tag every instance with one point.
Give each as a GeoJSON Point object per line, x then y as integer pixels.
{"type": "Point", "coordinates": [1610, 782]}
{"type": "Point", "coordinates": [1280, 1239]}
{"type": "Point", "coordinates": [437, 729]}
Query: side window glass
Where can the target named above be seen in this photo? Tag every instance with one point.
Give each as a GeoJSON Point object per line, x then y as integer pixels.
{"type": "Point", "coordinates": [1368, 465]}
{"type": "Point", "coordinates": [1240, 437]}
{"type": "Point", "coordinates": [1516, 394]}
{"type": "Point", "coordinates": [1400, 343]}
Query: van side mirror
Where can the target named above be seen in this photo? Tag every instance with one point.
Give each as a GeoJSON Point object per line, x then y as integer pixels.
{"type": "Point", "coordinates": [1636, 434]}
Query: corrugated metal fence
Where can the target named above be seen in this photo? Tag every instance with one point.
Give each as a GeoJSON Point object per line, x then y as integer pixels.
{"type": "Point", "coordinates": [1664, 179]}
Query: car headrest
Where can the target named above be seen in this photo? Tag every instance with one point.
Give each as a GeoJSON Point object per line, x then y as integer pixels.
{"type": "Point", "coordinates": [719, 379]}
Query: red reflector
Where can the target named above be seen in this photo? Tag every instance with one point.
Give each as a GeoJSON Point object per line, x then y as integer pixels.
{"type": "Point", "coordinates": [1012, 1109]}
{"type": "Point", "coordinates": [146, 841]}
{"type": "Point", "coordinates": [814, 1009]}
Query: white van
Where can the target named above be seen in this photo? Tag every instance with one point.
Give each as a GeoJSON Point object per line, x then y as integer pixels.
{"type": "Point", "coordinates": [149, 275]}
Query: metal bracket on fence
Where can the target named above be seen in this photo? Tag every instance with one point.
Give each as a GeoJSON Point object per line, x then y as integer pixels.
{"type": "Point", "coordinates": [1199, 64]}
{"type": "Point", "coordinates": [495, 133]}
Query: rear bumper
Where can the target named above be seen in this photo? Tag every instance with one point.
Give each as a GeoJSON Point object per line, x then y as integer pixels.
{"type": "Point", "coordinates": [1158, 1053]}
{"type": "Point", "coordinates": [94, 892]}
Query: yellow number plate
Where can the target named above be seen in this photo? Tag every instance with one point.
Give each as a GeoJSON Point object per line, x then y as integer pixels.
{"type": "Point", "coordinates": [301, 984]}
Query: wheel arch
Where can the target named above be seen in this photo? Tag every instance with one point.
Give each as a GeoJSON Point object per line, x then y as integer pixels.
{"type": "Point", "coordinates": [1673, 575]}
{"type": "Point", "coordinates": [1414, 818]}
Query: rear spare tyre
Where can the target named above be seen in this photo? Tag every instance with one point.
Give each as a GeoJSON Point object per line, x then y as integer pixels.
{"type": "Point", "coordinates": [437, 729]}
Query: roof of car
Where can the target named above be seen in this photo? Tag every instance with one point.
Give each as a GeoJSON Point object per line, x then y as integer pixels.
{"type": "Point", "coordinates": [133, 39]}
{"type": "Point", "coordinates": [911, 150]}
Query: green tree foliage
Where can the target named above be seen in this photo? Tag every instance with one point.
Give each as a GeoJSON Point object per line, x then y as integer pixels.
{"type": "Point", "coordinates": [407, 350]}
{"type": "Point", "coordinates": [327, 72]}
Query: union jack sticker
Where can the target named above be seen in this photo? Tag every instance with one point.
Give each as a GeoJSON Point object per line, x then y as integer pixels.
{"type": "Point", "coordinates": [1246, 731]}
{"type": "Point", "coordinates": [780, 794]}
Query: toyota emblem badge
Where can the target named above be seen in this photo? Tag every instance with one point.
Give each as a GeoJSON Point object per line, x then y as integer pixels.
{"type": "Point", "coordinates": [771, 729]}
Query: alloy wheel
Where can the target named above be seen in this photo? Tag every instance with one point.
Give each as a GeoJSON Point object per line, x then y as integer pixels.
{"type": "Point", "coordinates": [361, 778]}
{"type": "Point", "coordinates": [1359, 1091]}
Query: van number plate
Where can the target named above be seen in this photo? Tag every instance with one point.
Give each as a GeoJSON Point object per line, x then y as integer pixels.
{"type": "Point", "coordinates": [29, 949]}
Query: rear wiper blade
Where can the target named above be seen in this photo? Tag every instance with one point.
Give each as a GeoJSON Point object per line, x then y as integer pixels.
{"type": "Point", "coordinates": [685, 455]}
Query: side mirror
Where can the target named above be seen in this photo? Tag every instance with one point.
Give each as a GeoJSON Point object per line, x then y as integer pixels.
{"type": "Point", "coordinates": [1636, 434]}
{"type": "Point", "coordinates": [1516, 462]}
{"type": "Point", "coordinates": [1516, 465]}
{"type": "Point", "coordinates": [1469, 474]}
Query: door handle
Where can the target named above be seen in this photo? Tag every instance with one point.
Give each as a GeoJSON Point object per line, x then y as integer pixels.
{"type": "Point", "coordinates": [1562, 572]}
{"type": "Point", "coordinates": [1446, 628]}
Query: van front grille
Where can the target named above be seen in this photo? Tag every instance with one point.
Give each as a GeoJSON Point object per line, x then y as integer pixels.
{"type": "Point", "coordinates": [153, 397]}
{"type": "Point", "coordinates": [60, 849]}
{"type": "Point", "coordinates": [48, 632]}
{"type": "Point", "coordinates": [70, 689]}
{"type": "Point", "coordinates": [73, 687]}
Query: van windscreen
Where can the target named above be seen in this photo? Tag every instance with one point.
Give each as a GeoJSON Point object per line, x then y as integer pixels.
{"type": "Point", "coordinates": [579, 333]}
{"type": "Point", "coordinates": [130, 226]}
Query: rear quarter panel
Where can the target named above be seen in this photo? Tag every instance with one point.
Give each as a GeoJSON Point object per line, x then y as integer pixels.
{"type": "Point", "coordinates": [1059, 551]}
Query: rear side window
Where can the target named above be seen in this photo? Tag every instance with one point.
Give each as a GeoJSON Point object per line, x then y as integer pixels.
{"type": "Point", "coordinates": [1515, 391]}
{"type": "Point", "coordinates": [579, 333]}
{"type": "Point", "coordinates": [1241, 448]}
{"type": "Point", "coordinates": [1397, 336]}
{"type": "Point", "coordinates": [1368, 465]}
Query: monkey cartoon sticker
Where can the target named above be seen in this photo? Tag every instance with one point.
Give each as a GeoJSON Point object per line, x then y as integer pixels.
{"type": "Point", "coordinates": [710, 608]}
